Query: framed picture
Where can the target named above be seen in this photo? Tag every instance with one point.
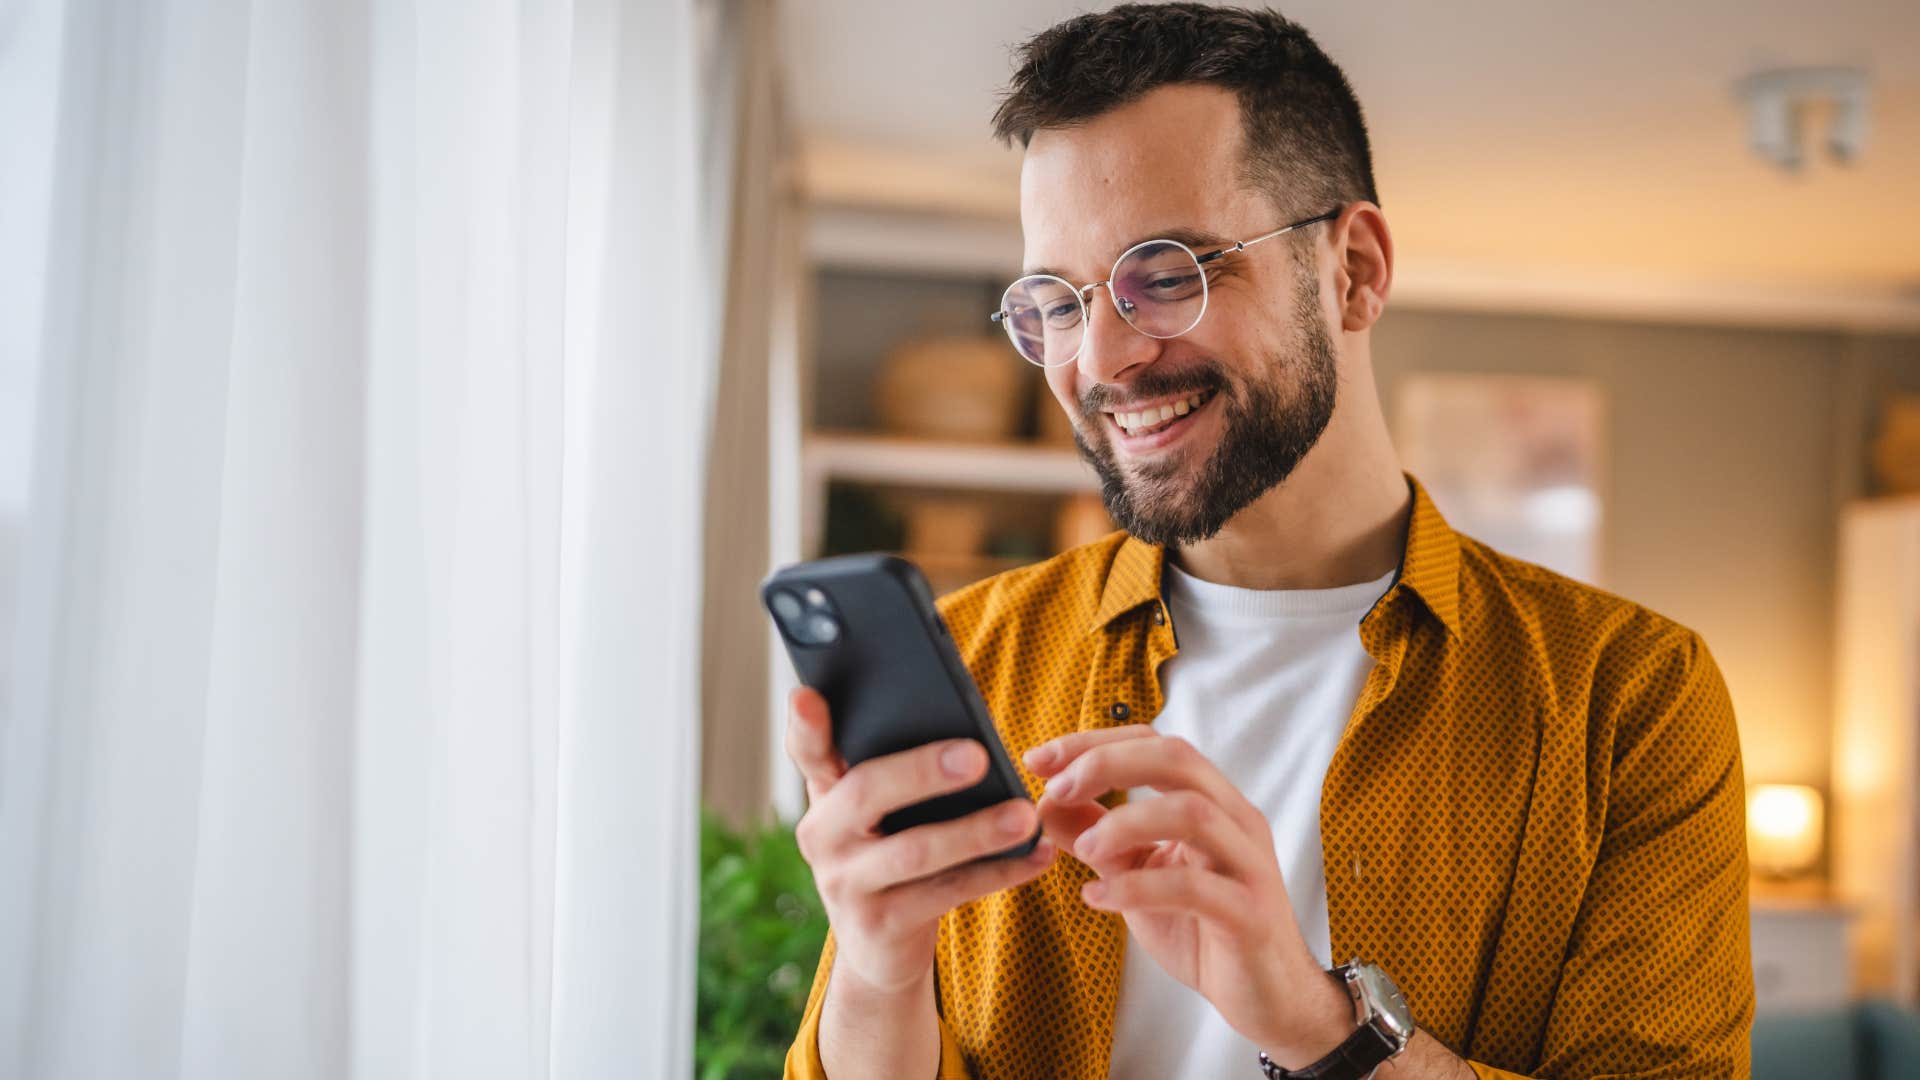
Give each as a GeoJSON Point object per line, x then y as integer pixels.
{"type": "Point", "coordinates": [1514, 461]}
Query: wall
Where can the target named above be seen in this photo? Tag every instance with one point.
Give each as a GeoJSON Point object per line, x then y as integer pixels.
{"type": "Point", "coordinates": [1729, 452]}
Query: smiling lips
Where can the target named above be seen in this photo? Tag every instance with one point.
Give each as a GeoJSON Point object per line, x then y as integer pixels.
{"type": "Point", "coordinates": [1156, 417]}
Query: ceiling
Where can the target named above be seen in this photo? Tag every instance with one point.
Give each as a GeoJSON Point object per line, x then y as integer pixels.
{"type": "Point", "coordinates": [1515, 141]}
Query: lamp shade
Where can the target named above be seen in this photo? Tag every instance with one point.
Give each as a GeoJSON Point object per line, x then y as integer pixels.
{"type": "Point", "coordinates": [1785, 827]}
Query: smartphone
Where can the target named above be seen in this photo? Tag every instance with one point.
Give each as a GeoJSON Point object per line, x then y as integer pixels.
{"type": "Point", "coordinates": [864, 632]}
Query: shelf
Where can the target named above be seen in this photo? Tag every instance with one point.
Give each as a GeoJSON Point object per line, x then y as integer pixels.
{"type": "Point", "coordinates": [851, 238]}
{"type": "Point", "coordinates": [889, 459]}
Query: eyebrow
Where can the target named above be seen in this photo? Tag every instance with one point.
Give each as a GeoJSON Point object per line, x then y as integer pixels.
{"type": "Point", "coordinates": [1200, 240]}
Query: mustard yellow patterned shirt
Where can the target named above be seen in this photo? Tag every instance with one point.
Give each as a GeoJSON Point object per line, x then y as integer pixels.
{"type": "Point", "coordinates": [1534, 821]}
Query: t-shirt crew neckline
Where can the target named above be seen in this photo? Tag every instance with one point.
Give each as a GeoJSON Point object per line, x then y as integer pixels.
{"type": "Point", "coordinates": [1215, 602]}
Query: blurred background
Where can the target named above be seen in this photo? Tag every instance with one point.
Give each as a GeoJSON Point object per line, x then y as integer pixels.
{"type": "Point", "coordinates": [389, 389]}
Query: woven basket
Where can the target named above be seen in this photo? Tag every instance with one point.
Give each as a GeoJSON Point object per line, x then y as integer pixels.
{"type": "Point", "coordinates": [1896, 453]}
{"type": "Point", "coordinates": [951, 388]}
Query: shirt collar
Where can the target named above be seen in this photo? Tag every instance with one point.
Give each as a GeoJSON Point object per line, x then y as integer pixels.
{"type": "Point", "coordinates": [1430, 567]}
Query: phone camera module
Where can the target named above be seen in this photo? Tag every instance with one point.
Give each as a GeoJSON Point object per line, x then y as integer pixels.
{"type": "Point", "coordinates": [805, 615]}
{"type": "Point", "coordinates": [787, 606]}
{"type": "Point", "coordinates": [822, 629]}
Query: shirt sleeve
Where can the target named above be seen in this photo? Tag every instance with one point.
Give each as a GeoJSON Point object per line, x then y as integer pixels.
{"type": "Point", "coordinates": [1658, 978]}
{"type": "Point", "coordinates": [803, 1057]}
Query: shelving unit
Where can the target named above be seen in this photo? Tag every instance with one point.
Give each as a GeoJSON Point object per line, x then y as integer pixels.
{"type": "Point", "coordinates": [998, 466]}
{"type": "Point", "coordinates": [865, 279]}
{"type": "Point", "coordinates": [899, 462]}
{"type": "Point", "coordinates": [875, 278]}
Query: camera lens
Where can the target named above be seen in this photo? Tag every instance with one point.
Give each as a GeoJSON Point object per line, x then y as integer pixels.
{"type": "Point", "coordinates": [822, 629]}
{"type": "Point", "coordinates": [786, 605]}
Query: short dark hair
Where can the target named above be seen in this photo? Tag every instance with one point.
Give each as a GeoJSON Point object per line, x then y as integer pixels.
{"type": "Point", "coordinates": [1305, 140]}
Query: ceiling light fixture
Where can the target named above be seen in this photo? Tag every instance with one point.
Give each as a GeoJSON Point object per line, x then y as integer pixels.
{"type": "Point", "coordinates": [1779, 100]}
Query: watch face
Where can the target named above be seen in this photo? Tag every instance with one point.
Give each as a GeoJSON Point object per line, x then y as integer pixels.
{"type": "Point", "coordinates": [1389, 1005]}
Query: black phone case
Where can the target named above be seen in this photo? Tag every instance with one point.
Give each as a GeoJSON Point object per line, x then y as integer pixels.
{"type": "Point", "coordinates": [893, 679]}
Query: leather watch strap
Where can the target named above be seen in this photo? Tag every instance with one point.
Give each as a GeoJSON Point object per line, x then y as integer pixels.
{"type": "Point", "coordinates": [1364, 1051]}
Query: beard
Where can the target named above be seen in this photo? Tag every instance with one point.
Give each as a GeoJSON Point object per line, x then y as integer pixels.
{"type": "Point", "coordinates": [1269, 422]}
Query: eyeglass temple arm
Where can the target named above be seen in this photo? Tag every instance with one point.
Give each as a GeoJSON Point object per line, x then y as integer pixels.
{"type": "Point", "coordinates": [1245, 244]}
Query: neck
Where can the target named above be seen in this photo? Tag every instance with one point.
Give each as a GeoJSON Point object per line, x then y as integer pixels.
{"type": "Point", "coordinates": [1339, 519]}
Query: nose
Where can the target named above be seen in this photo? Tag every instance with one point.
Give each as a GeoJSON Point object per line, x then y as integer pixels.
{"type": "Point", "coordinates": [1112, 350]}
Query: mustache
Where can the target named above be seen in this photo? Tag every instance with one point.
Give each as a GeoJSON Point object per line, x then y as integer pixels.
{"type": "Point", "coordinates": [1105, 397]}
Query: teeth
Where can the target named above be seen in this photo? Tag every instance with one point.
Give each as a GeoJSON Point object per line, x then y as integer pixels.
{"type": "Point", "coordinates": [1135, 422]}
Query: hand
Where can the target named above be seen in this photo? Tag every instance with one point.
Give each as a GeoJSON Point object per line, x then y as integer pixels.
{"type": "Point", "coordinates": [884, 895]}
{"type": "Point", "coordinates": [1194, 875]}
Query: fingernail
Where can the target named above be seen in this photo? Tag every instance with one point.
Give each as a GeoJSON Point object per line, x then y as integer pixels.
{"type": "Point", "coordinates": [957, 759]}
{"type": "Point", "coordinates": [1093, 892]}
{"type": "Point", "coordinates": [1038, 757]}
{"type": "Point", "coordinates": [1086, 842]}
{"type": "Point", "coordinates": [1059, 787]}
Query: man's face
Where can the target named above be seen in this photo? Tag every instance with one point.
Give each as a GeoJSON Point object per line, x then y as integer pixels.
{"type": "Point", "coordinates": [1257, 376]}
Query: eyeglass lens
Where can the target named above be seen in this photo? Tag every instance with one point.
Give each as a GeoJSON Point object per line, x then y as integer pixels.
{"type": "Point", "coordinates": [1158, 287]}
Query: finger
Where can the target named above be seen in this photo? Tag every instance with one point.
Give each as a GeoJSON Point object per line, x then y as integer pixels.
{"type": "Point", "coordinates": [810, 742]}
{"type": "Point", "coordinates": [1174, 888]}
{"type": "Point", "coordinates": [1064, 822]}
{"type": "Point", "coordinates": [1183, 817]}
{"type": "Point", "coordinates": [1165, 764]}
{"type": "Point", "coordinates": [926, 900]}
{"type": "Point", "coordinates": [1055, 754]}
{"type": "Point", "coordinates": [926, 850]}
{"type": "Point", "coordinates": [878, 786]}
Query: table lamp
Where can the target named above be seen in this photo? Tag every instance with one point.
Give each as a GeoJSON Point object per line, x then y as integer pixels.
{"type": "Point", "coordinates": [1785, 827]}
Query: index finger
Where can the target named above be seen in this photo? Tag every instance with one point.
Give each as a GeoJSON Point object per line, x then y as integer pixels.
{"type": "Point", "coordinates": [1056, 754]}
{"type": "Point", "coordinates": [1165, 764]}
{"type": "Point", "coordinates": [810, 742]}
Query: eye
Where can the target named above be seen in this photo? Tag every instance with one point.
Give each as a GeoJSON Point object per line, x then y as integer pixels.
{"type": "Point", "coordinates": [1170, 286]}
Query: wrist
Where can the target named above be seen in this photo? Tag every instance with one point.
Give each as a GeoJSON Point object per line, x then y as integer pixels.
{"type": "Point", "coordinates": [888, 1032]}
{"type": "Point", "coordinates": [851, 985]}
{"type": "Point", "coordinates": [1322, 1017]}
{"type": "Point", "coordinates": [1381, 1029]}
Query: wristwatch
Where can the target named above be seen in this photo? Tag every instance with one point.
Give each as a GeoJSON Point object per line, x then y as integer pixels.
{"type": "Point", "coordinates": [1386, 1026]}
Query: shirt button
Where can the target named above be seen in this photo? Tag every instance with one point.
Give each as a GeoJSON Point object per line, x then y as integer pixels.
{"type": "Point", "coordinates": [1159, 617]}
{"type": "Point", "coordinates": [1120, 710]}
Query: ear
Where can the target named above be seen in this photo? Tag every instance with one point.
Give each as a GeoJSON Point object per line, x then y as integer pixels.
{"type": "Point", "coordinates": [1365, 274]}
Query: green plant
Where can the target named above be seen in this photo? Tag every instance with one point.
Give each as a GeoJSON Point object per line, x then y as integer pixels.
{"type": "Point", "coordinates": [761, 929]}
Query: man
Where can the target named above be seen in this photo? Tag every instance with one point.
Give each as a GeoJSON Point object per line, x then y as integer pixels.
{"type": "Point", "coordinates": [1288, 718]}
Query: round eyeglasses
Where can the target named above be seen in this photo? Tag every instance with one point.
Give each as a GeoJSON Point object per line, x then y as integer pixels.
{"type": "Point", "coordinates": [1158, 286]}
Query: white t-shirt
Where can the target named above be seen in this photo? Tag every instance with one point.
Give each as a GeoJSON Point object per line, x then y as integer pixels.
{"type": "Point", "coordinates": [1263, 685]}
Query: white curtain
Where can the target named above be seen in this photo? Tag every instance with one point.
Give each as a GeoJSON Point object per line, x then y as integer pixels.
{"type": "Point", "coordinates": [353, 728]}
